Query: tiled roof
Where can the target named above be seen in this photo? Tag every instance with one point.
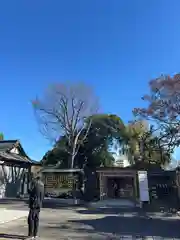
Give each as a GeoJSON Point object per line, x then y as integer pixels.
{"type": "Point", "coordinates": [13, 157]}
{"type": "Point", "coordinates": [7, 145]}
{"type": "Point", "coordinates": [5, 154]}
{"type": "Point", "coordinates": [36, 163]}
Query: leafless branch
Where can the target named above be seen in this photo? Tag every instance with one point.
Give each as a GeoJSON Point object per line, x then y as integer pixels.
{"type": "Point", "coordinates": [63, 112]}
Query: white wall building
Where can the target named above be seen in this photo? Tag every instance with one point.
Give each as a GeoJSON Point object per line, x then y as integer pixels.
{"type": "Point", "coordinates": [15, 168]}
{"type": "Point", "coordinates": [121, 160]}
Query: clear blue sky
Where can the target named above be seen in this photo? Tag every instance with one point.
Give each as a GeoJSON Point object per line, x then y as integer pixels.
{"type": "Point", "coordinates": [117, 46]}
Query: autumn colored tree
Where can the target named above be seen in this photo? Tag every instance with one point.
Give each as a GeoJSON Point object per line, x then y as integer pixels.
{"type": "Point", "coordinates": [141, 145]}
{"type": "Point", "coordinates": [65, 110]}
{"type": "Point", "coordinates": [135, 131]}
{"type": "Point", "coordinates": [163, 110]}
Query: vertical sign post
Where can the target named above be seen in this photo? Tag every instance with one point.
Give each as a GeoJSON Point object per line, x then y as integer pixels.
{"type": "Point", "coordinates": [143, 186]}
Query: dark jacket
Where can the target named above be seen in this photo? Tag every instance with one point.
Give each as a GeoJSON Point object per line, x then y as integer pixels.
{"type": "Point", "coordinates": [36, 195]}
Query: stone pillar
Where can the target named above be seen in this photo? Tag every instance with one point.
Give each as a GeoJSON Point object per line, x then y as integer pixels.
{"type": "Point", "coordinates": [29, 178]}
{"type": "Point", "coordinates": [26, 183]}
{"type": "Point", "coordinates": [100, 186]}
{"type": "Point", "coordinates": [178, 182]}
{"type": "Point", "coordinates": [135, 187]}
{"type": "Point", "coordinates": [103, 186]}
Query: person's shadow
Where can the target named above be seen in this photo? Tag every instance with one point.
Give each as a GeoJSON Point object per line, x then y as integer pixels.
{"type": "Point", "coordinates": [12, 236]}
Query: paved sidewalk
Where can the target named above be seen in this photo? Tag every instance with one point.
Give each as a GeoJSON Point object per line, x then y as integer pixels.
{"type": "Point", "coordinates": [7, 215]}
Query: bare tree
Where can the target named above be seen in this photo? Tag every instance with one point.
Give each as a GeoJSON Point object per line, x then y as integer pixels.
{"type": "Point", "coordinates": [65, 110]}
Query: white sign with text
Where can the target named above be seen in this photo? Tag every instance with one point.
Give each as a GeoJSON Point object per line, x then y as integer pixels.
{"type": "Point", "coordinates": [143, 186]}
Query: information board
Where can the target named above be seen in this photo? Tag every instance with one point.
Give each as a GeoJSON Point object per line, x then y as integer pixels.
{"type": "Point", "coordinates": [143, 186]}
{"type": "Point", "coordinates": [57, 183]}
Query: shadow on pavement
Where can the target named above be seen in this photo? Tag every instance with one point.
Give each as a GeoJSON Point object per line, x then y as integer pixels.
{"type": "Point", "coordinates": [135, 226]}
{"type": "Point", "coordinates": [135, 211]}
{"type": "Point", "coordinates": [12, 236]}
{"type": "Point", "coordinates": [11, 201]}
{"type": "Point", "coordinates": [107, 210]}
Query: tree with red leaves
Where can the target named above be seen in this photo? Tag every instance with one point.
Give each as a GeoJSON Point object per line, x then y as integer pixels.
{"type": "Point", "coordinates": [163, 110]}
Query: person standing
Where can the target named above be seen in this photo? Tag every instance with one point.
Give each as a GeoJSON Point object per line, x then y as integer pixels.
{"type": "Point", "coordinates": [36, 196]}
{"type": "Point", "coordinates": [116, 190]}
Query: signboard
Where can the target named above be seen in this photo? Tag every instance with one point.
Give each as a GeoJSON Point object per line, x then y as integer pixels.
{"type": "Point", "coordinates": [143, 186]}
{"type": "Point", "coordinates": [57, 184]}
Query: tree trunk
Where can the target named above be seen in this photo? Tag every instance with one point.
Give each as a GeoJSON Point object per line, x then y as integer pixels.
{"type": "Point", "coordinates": [72, 161]}
{"type": "Point", "coordinates": [73, 154]}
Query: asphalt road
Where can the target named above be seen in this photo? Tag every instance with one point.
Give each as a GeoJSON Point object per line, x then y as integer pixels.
{"type": "Point", "coordinates": [80, 223]}
{"type": "Point", "coordinates": [63, 222]}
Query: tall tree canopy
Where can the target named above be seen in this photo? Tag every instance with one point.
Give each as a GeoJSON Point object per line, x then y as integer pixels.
{"type": "Point", "coordinates": [163, 110]}
{"type": "Point", "coordinates": [64, 111]}
{"type": "Point", "coordinates": [134, 132]}
{"type": "Point", "coordinates": [95, 149]}
{"type": "Point", "coordinates": [142, 145]}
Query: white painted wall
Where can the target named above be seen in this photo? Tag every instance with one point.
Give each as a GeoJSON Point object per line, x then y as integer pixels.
{"type": "Point", "coordinates": [121, 161]}
{"type": "Point", "coordinates": [14, 150]}
{"type": "Point", "coordinates": [11, 179]}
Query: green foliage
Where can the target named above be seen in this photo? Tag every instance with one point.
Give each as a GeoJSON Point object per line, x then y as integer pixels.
{"type": "Point", "coordinates": [95, 149]}
{"type": "Point", "coordinates": [144, 145]}
{"type": "Point", "coordinates": [1, 136]}
{"type": "Point", "coordinates": [58, 155]}
{"type": "Point", "coordinates": [102, 133]}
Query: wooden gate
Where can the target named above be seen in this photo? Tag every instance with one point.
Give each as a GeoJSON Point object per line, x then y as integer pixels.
{"type": "Point", "coordinates": [163, 189]}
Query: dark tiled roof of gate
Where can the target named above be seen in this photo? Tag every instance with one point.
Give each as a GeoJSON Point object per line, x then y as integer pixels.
{"type": "Point", "coordinates": [7, 145]}
{"type": "Point", "coordinates": [13, 157]}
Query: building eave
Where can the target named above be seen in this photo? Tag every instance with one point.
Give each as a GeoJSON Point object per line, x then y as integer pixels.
{"type": "Point", "coordinates": [54, 170]}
